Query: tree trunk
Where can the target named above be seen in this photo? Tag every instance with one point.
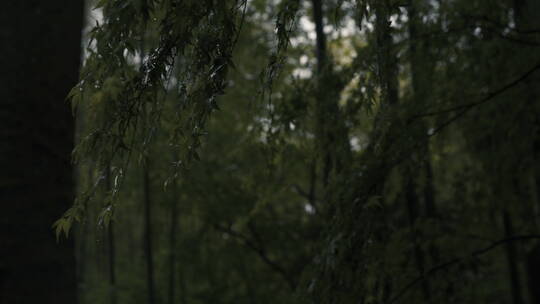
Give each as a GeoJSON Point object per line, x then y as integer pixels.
{"type": "Point", "coordinates": [412, 209]}
{"type": "Point", "coordinates": [110, 244]}
{"type": "Point", "coordinates": [511, 257]}
{"type": "Point", "coordinates": [172, 245]}
{"type": "Point", "coordinates": [332, 133]}
{"type": "Point", "coordinates": [387, 61]}
{"type": "Point", "coordinates": [527, 18]}
{"type": "Point", "coordinates": [148, 235]}
{"type": "Point", "coordinates": [533, 274]}
{"type": "Point", "coordinates": [40, 58]}
{"type": "Point", "coordinates": [420, 160]}
{"type": "Point", "coordinates": [321, 36]}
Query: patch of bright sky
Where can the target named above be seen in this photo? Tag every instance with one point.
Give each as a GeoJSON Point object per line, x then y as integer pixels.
{"type": "Point", "coordinates": [94, 16]}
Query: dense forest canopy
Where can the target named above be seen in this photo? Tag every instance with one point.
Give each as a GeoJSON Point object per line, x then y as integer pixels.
{"type": "Point", "coordinates": [336, 151]}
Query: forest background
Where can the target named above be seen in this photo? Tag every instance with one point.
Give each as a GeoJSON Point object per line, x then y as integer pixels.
{"type": "Point", "coordinates": [235, 151]}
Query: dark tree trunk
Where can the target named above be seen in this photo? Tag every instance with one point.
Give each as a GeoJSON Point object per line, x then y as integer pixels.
{"type": "Point", "coordinates": [527, 18]}
{"type": "Point", "coordinates": [511, 257]}
{"type": "Point", "coordinates": [111, 252]}
{"type": "Point", "coordinates": [321, 36]}
{"type": "Point", "coordinates": [533, 274]}
{"type": "Point", "coordinates": [386, 57]}
{"type": "Point", "coordinates": [331, 130]}
{"type": "Point", "coordinates": [112, 271]}
{"type": "Point", "coordinates": [420, 71]}
{"type": "Point", "coordinates": [40, 57]}
{"type": "Point", "coordinates": [321, 105]}
{"type": "Point", "coordinates": [412, 210]}
{"type": "Point", "coordinates": [172, 245]}
{"type": "Point", "coordinates": [387, 63]}
{"type": "Point", "coordinates": [148, 235]}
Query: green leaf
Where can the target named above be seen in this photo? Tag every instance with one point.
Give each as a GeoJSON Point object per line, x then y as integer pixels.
{"type": "Point", "coordinates": [62, 225]}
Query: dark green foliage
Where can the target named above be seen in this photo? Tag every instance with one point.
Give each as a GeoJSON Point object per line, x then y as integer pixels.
{"type": "Point", "coordinates": [391, 158]}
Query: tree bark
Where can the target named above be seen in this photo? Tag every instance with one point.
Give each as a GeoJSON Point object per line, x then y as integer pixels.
{"type": "Point", "coordinates": [533, 274]}
{"type": "Point", "coordinates": [110, 244]}
{"type": "Point", "coordinates": [148, 235]}
{"type": "Point", "coordinates": [172, 245]}
{"type": "Point", "coordinates": [527, 17]}
{"type": "Point", "coordinates": [320, 35]}
{"type": "Point", "coordinates": [420, 160]}
{"type": "Point", "coordinates": [511, 257]}
{"type": "Point", "coordinates": [412, 210]}
{"type": "Point", "coordinates": [387, 61]}
{"type": "Point", "coordinates": [332, 133]}
{"type": "Point", "coordinates": [40, 59]}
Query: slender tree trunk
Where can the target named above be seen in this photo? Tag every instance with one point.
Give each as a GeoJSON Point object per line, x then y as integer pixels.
{"type": "Point", "coordinates": [511, 256]}
{"type": "Point", "coordinates": [148, 234]}
{"type": "Point", "coordinates": [40, 57]}
{"type": "Point", "coordinates": [388, 80]}
{"type": "Point", "coordinates": [533, 274]}
{"type": "Point", "coordinates": [420, 159]}
{"type": "Point", "coordinates": [112, 271]}
{"type": "Point", "coordinates": [412, 207]}
{"type": "Point", "coordinates": [387, 68]}
{"type": "Point", "coordinates": [320, 35]}
{"type": "Point", "coordinates": [320, 50]}
{"type": "Point", "coordinates": [332, 134]}
{"type": "Point", "coordinates": [527, 17]}
{"type": "Point", "coordinates": [533, 256]}
{"type": "Point", "coordinates": [387, 61]}
{"type": "Point", "coordinates": [110, 242]}
{"type": "Point", "coordinates": [81, 256]}
{"type": "Point", "coordinates": [172, 245]}
{"type": "Point", "coordinates": [183, 288]}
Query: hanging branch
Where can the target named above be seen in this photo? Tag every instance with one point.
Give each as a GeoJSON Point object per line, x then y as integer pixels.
{"type": "Point", "coordinates": [118, 81]}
